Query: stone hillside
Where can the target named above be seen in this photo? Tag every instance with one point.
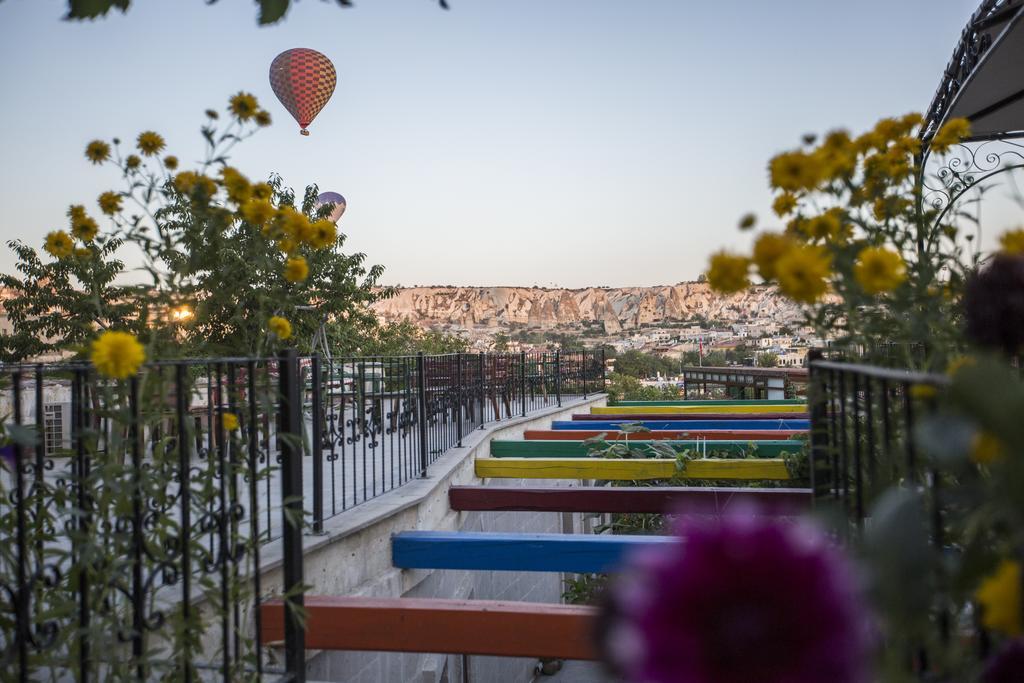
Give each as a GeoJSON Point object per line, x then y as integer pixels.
{"type": "Point", "coordinates": [616, 308]}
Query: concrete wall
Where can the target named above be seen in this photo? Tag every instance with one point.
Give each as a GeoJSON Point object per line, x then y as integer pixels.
{"type": "Point", "coordinates": [353, 557]}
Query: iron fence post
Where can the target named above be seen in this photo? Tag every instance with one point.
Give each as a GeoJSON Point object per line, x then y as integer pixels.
{"type": "Point", "coordinates": [459, 397]}
{"type": "Point", "coordinates": [522, 380]}
{"type": "Point", "coordinates": [604, 370]}
{"type": "Point", "coordinates": [421, 380]}
{"type": "Point", "coordinates": [316, 438]}
{"type": "Point", "coordinates": [291, 513]}
{"type": "Point", "coordinates": [558, 376]}
{"type": "Point", "coordinates": [819, 428]}
{"type": "Point", "coordinates": [482, 388]}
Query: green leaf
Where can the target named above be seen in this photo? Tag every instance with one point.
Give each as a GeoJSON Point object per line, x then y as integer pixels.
{"type": "Point", "coordinates": [23, 435]}
{"type": "Point", "coordinates": [90, 9]}
{"type": "Point", "coordinates": [946, 438]}
{"type": "Point", "coordinates": [272, 11]}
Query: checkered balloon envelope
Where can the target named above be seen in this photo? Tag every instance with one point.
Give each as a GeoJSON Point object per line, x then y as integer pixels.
{"type": "Point", "coordinates": [303, 79]}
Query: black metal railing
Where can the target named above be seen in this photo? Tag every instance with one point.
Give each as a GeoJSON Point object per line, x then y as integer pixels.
{"type": "Point", "coordinates": [864, 442]}
{"type": "Point", "coordinates": [862, 432]}
{"type": "Point", "coordinates": [140, 513]}
{"type": "Point", "coordinates": [136, 513]}
{"type": "Point", "coordinates": [369, 412]}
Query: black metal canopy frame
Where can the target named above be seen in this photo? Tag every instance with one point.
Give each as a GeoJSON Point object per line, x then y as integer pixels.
{"type": "Point", "coordinates": [984, 83]}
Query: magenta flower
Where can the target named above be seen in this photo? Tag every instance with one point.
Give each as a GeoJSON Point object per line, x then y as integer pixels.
{"type": "Point", "coordinates": [7, 455]}
{"type": "Point", "coordinates": [739, 600]}
{"type": "Point", "coordinates": [1007, 665]}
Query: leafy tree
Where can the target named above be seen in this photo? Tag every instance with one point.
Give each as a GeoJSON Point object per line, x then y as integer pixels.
{"type": "Point", "coordinates": [271, 11]}
{"type": "Point", "coordinates": [639, 364]}
{"type": "Point", "coordinates": [59, 304]}
{"type": "Point", "coordinates": [767, 360]}
{"type": "Point", "coordinates": [222, 255]}
{"type": "Point", "coordinates": [626, 388]}
{"type": "Point", "coordinates": [406, 338]}
{"type": "Point", "coordinates": [501, 342]}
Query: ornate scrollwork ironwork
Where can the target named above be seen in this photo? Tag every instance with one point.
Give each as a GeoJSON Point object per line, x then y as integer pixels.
{"type": "Point", "coordinates": [967, 168]}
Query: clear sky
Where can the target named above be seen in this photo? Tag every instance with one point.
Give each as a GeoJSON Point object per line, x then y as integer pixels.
{"type": "Point", "coordinates": [568, 142]}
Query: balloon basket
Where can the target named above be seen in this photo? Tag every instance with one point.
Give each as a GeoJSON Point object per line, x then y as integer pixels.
{"type": "Point", "coordinates": [303, 132]}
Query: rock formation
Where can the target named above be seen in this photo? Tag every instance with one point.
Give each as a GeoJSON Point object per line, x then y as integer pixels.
{"type": "Point", "coordinates": [616, 309]}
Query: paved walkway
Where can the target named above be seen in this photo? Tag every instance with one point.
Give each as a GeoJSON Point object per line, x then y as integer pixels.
{"type": "Point", "coordinates": [579, 672]}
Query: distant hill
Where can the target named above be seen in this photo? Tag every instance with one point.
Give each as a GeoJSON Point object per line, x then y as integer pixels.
{"type": "Point", "coordinates": [617, 309]}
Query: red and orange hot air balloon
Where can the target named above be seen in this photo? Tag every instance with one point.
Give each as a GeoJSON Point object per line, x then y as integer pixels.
{"type": "Point", "coordinates": [303, 80]}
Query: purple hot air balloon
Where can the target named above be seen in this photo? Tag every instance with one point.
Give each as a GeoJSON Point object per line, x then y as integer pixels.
{"type": "Point", "coordinates": [332, 198]}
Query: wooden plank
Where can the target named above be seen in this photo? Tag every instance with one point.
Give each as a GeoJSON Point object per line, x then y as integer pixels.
{"type": "Point", "coordinates": [581, 553]}
{"type": "Point", "coordinates": [577, 449]}
{"type": "Point", "coordinates": [629, 470]}
{"type": "Point", "coordinates": [473, 627]}
{"type": "Point", "coordinates": [631, 417]}
{"type": "Point", "coordinates": [710, 500]}
{"type": "Point", "coordinates": [670, 410]}
{"type": "Point", "coordinates": [683, 424]}
{"type": "Point", "coordinates": [677, 435]}
{"type": "Point", "coordinates": [719, 402]}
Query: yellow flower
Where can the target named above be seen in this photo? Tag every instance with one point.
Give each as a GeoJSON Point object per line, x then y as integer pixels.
{"type": "Point", "coordinates": [952, 132]}
{"type": "Point", "coordinates": [879, 270]}
{"type": "Point", "coordinates": [110, 203]}
{"type": "Point", "coordinates": [986, 448]}
{"type": "Point", "coordinates": [296, 269]}
{"type": "Point", "coordinates": [869, 141]}
{"type": "Point", "coordinates": [280, 327]}
{"type": "Point", "coordinates": [837, 156]}
{"type": "Point", "coordinates": [229, 421]}
{"type": "Point", "coordinates": [959, 363]}
{"type": "Point", "coordinates": [236, 184]}
{"type": "Point", "coordinates": [768, 248]}
{"type": "Point", "coordinates": [243, 105]}
{"type": "Point", "coordinates": [896, 164]}
{"type": "Point", "coordinates": [132, 162]}
{"type": "Point", "coordinates": [908, 145]}
{"type": "Point", "coordinates": [117, 354]}
{"type": "Point", "coordinates": [258, 211]}
{"type": "Point", "coordinates": [727, 273]}
{"type": "Point", "coordinates": [294, 223]}
{"type": "Point", "coordinates": [911, 121]}
{"type": "Point", "coordinates": [150, 143]}
{"type": "Point", "coordinates": [83, 252]}
{"type": "Point", "coordinates": [58, 244]}
{"type": "Point", "coordinates": [85, 228]}
{"type": "Point", "coordinates": [748, 221]}
{"type": "Point", "coordinates": [888, 129]}
{"type": "Point", "coordinates": [323, 233]}
{"type": "Point", "coordinates": [784, 204]}
{"type": "Point", "coordinates": [287, 245]}
{"type": "Point", "coordinates": [196, 184]}
{"type": "Point", "coordinates": [1012, 241]}
{"type": "Point", "coordinates": [76, 212]}
{"type": "Point", "coordinates": [794, 171]}
{"type": "Point", "coordinates": [263, 118]}
{"type": "Point", "coordinates": [1000, 598]}
{"type": "Point", "coordinates": [803, 273]}
{"type": "Point", "coordinates": [262, 191]}
{"type": "Point", "coordinates": [171, 162]}
{"type": "Point", "coordinates": [97, 151]}
{"type": "Point", "coordinates": [185, 181]}
{"type": "Point", "coordinates": [923, 392]}
{"type": "Point", "coordinates": [825, 227]}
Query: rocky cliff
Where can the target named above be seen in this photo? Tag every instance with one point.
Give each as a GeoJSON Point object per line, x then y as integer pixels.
{"type": "Point", "coordinates": [616, 309]}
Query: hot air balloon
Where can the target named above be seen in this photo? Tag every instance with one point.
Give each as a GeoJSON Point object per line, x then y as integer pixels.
{"type": "Point", "coordinates": [332, 198]}
{"type": "Point", "coordinates": [303, 80]}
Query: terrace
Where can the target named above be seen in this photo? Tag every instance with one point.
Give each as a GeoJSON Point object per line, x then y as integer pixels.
{"type": "Point", "coordinates": [289, 516]}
